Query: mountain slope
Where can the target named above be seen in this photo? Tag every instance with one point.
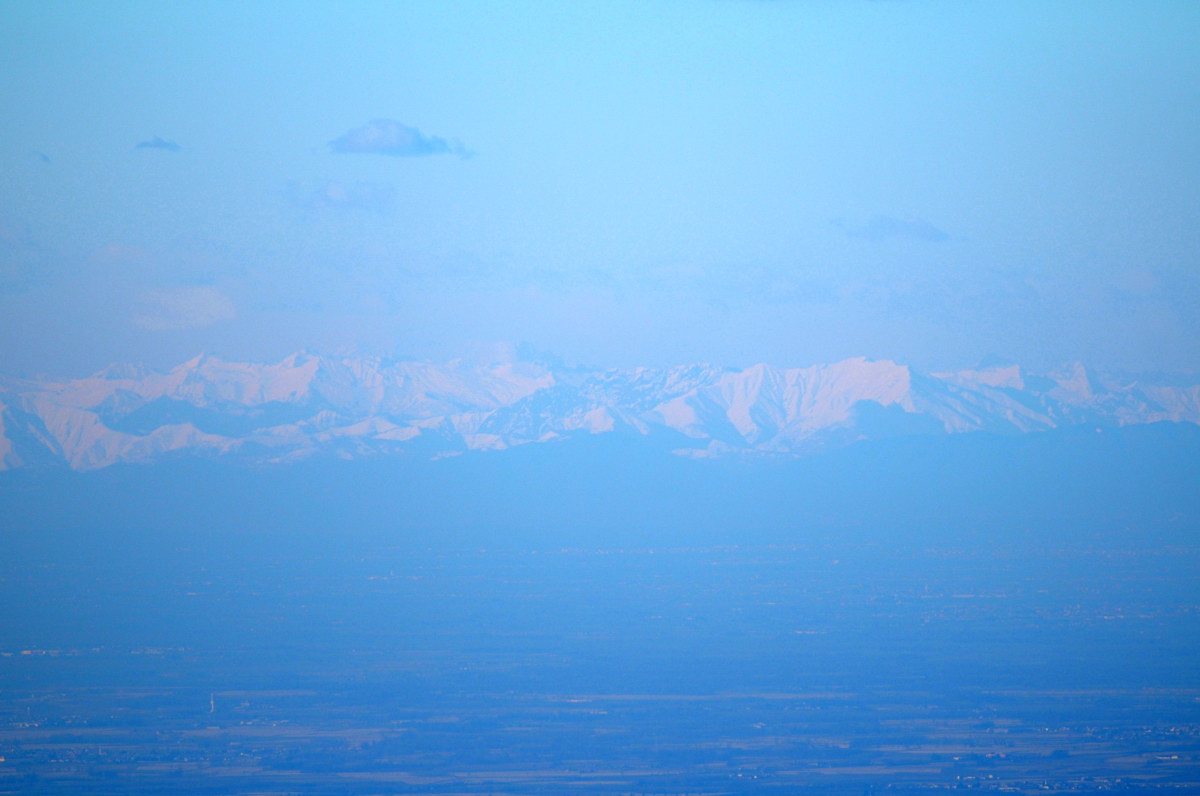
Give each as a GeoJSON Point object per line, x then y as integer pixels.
{"type": "Point", "coordinates": [346, 407]}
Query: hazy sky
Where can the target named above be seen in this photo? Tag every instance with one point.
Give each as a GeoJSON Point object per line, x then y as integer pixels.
{"type": "Point", "coordinates": [648, 182]}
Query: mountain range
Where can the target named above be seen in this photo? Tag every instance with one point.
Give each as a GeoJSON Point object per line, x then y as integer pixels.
{"type": "Point", "coordinates": [310, 405]}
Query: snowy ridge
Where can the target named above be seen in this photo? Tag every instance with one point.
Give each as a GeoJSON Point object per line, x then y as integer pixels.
{"type": "Point", "coordinates": [308, 405]}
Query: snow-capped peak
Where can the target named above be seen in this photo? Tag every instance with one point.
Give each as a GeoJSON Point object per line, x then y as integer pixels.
{"type": "Point", "coordinates": [307, 402]}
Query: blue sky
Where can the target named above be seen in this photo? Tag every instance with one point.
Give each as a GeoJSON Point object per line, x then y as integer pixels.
{"type": "Point", "coordinates": [640, 183]}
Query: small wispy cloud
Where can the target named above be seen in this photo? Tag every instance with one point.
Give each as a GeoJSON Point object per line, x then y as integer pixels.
{"type": "Point", "coordinates": [389, 137]}
{"type": "Point", "coordinates": [882, 228]}
{"type": "Point", "coordinates": [159, 143]}
{"type": "Point", "coordinates": [122, 256]}
{"type": "Point", "coordinates": [368, 197]}
{"type": "Point", "coordinates": [179, 308]}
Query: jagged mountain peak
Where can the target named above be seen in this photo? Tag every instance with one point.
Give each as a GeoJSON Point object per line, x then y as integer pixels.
{"type": "Point", "coordinates": [123, 371]}
{"type": "Point", "coordinates": [307, 403]}
{"type": "Point", "coordinates": [998, 376]}
{"type": "Point", "coordinates": [1075, 379]}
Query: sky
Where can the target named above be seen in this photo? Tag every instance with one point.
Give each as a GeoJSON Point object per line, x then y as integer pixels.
{"type": "Point", "coordinates": [618, 183]}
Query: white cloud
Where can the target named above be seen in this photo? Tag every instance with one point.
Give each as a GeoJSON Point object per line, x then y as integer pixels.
{"type": "Point", "coordinates": [389, 137]}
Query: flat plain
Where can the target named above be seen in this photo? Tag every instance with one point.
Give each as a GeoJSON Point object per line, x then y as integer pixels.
{"type": "Point", "coordinates": [348, 664]}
